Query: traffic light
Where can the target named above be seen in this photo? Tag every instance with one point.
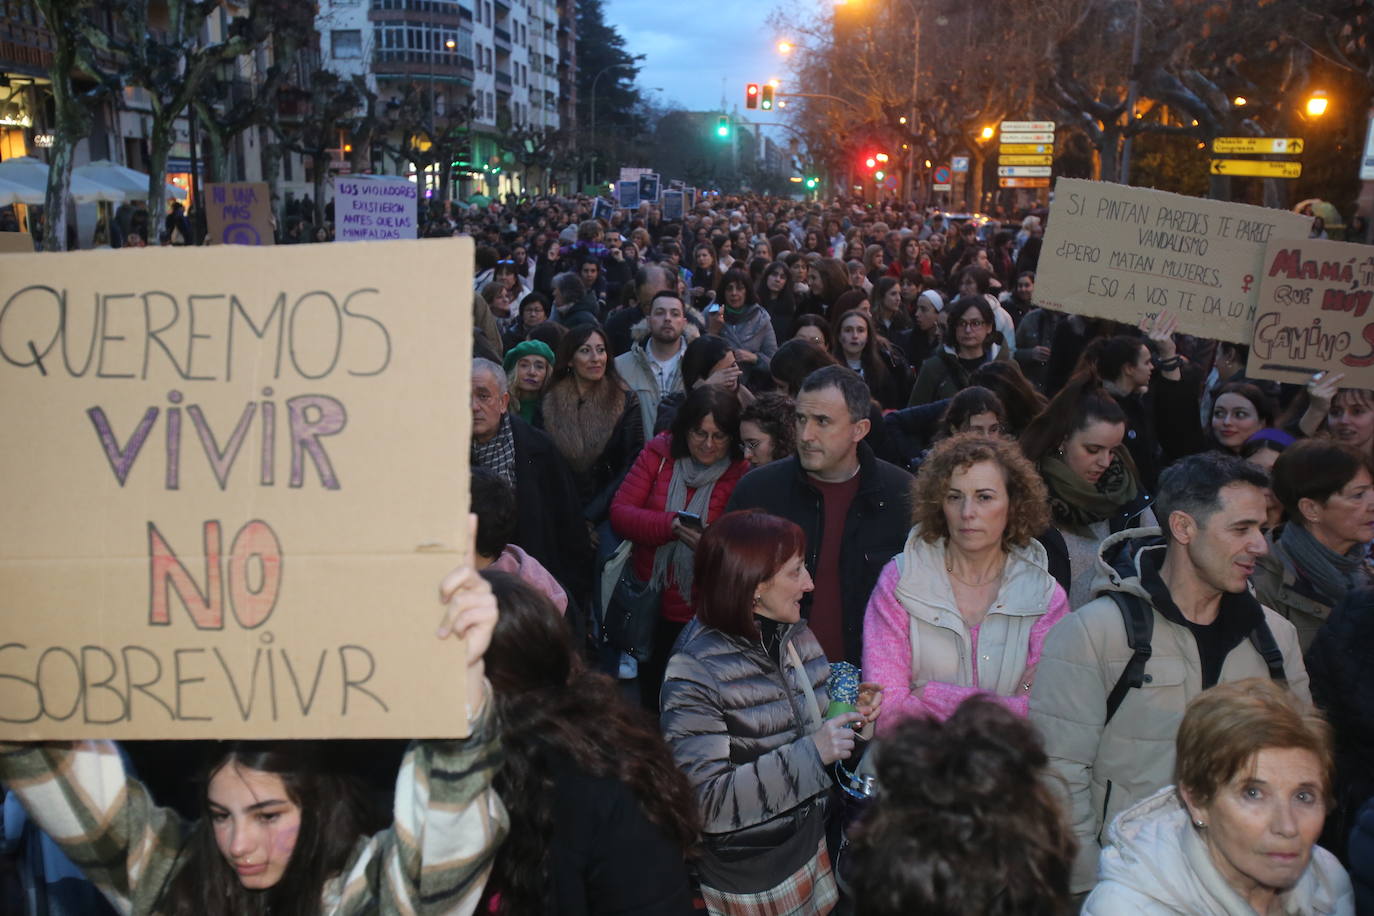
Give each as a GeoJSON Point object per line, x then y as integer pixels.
{"type": "Point", "coordinates": [880, 174]}
{"type": "Point", "coordinates": [723, 126]}
{"type": "Point", "coordinates": [751, 96]}
{"type": "Point", "coordinates": [811, 184]}
{"type": "Point", "coordinates": [767, 102]}
{"type": "Point", "coordinates": [871, 162]}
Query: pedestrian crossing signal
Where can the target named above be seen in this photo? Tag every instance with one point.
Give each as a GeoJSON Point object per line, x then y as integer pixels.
{"type": "Point", "coordinates": [723, 126]}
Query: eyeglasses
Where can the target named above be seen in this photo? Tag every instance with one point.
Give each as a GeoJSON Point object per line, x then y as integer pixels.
{"type": "Point", "coordinates": [973, 324]}
{"type": "Point", "coordinates": [484, 397]}
{"type": "Point", "coordinates": [701, 435]}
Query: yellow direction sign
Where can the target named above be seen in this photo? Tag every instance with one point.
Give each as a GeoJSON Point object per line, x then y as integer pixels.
{"type": "Point", "coordinates": [1253, 168]}
{"type": "Point", "coordinates": [1291, 146]}
{"type": "Point", "coordinates": [1015, 149]}
{"type": "Point", "coordinates": [1025, 160]}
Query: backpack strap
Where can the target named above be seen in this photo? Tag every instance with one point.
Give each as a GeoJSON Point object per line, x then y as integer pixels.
{"type": "Point", "coordinates": [1262, 638]}
{"type": "Point", "coordinates": [1139, 620]}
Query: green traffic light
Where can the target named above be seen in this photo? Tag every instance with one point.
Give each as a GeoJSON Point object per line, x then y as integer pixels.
{"type": "Point", "coordinates": [810, 182]}
{"type": "Point", "coordinates": [880, 175]}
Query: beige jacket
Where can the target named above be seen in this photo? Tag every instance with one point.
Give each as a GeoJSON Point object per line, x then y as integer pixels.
{"type": "Point", "coordinates": [1105, 768]}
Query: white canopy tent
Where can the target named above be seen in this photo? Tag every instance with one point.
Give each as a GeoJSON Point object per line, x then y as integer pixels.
{"type": "Point", "coordinates": [131, 181]}
{"type": "Point", "coordinates": [33, 173]}
{"type": "Point", "coordinates": [12, 192]}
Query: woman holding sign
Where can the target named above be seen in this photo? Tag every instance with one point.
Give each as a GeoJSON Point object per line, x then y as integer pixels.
{"type": "Point", "coordinates": [283, 830]}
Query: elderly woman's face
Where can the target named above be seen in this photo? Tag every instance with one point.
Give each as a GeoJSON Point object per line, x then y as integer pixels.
{"type": "Point", "coordinates": [1262, 825]}
{"type": "Point", "coordinates": [976, 506]}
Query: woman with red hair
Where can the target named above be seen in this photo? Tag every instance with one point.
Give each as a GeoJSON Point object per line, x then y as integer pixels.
{"type": "Point", "coordinates": [742, 705]}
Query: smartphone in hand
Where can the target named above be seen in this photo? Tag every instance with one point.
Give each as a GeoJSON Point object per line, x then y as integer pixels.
{"type": "Point", "coordinates": [691, 520]}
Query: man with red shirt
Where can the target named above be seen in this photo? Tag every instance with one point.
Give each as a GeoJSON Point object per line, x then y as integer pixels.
{"type": "Point", "coordinates": [854, 508]}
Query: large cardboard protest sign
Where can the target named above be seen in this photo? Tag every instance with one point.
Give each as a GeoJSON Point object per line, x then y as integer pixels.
{"type": "Point", "coordinates": [1113, 251]}
{"type": "Point", "coordinates": [1314, 313]}
{"type": "Point", "coordinates": [238, 213]}
{"type": "Point", "coordinates": [234, 478]}
{"type": "Point", "coordinates": [369, 209]}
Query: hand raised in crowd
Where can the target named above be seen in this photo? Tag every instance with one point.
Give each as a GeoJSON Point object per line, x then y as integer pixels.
{"type": "Point", "coordinates": [715, 321]}
{"type": "Point", "coordinates": [469, 614]}
{"type": "Point", "coordinates": [749, 357]}
{"type": "Point", "coordinates": [1160, 329]}
{"type": "Point", "coordinates": [1322, 389]}
{"type": "Point", "coordinates": [835, 739]}
{"type": "Point", "coordinates": [724, 377]}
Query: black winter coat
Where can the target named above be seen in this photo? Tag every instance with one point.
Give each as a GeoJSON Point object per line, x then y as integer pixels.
{"type": "Point", "coordinates": [549, 523]}
{"type": "Point", "coordinates": [735, 719]}
{"type": "Point", "coordinates": [874, 532]}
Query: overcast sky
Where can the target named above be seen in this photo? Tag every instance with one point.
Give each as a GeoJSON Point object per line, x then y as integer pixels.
{"type": "Point", "coordinates": [692, 45]}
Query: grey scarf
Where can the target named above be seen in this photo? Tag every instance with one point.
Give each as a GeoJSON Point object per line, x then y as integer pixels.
{"type": "Point", "coordinates": [497, 453]}
{"type": "Point", "coordinates": [1330, 573]}
{"type": "Point", "coordinates": [688, 474]}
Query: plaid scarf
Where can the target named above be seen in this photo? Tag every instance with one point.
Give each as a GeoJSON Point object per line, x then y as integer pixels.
{"type": "Point", "coordinates": [497, 453]}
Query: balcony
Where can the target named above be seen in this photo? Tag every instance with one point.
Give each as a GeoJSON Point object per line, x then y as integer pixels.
{"type": "Point", "coordinates": [502, 40]}
{"type": "Point", "coordinates": [25, 48]}
{"type": "Point", "coordinates": [435, 11]}
{"type": "Point", "coordinates": [445, 67]}
{"type": "Point", "coordinates": [503, 82]}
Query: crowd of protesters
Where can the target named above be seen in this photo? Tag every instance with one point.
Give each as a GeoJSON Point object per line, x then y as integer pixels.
{"type": "Point", "coordinates": [955, 604]}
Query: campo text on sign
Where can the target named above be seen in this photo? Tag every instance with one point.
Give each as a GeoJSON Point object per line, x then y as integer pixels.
{"type": "Point", "coordinates": [1255, 168]}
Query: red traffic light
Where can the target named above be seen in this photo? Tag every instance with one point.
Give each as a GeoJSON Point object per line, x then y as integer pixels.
{"type": "Point", "coordinates": [870, 162]}
{"type": "Point", "coordinates": [751, 95]}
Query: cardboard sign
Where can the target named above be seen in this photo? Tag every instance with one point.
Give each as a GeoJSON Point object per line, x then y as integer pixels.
{"type": "Point", "coordinates": [1113, 251]}
{"type": "Point", "coordinates": [16, 242]}
{"type": "Point", "coordinates": [235, 477]}
{"type": "Point", "coordinates": [238, 213]}
{"type": "Point", "coordinates": [368, 209]}
{"type": "Point", "coordinates": [1314, 313]}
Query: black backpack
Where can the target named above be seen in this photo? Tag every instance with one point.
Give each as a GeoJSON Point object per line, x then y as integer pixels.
{"type": "Point", "coordinates": [1139, 619]}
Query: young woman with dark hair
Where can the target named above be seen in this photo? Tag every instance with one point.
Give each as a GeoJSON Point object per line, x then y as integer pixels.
{"type": "Point", "coordinates": [859, 346]}
{"type": "Point", "coordinates": [971, 339]}
{"type": "Point", "coordinates": [774, 293]}
{"type": "Point", "coordinates": [1004, 378]}
{"type": "Point", "coordinates": [693, 468]}
{"type": "Point", "coordinates": [974, 410]}
{"type": "Point", "coordinates": [592, 417]}
{"type": "Point", "coordinates": [966, 821]}
{"type": "Point", "coordinates": [1239, 410]}
{"type": "Point", "coordinates": [741, 320]}
{"type": "Point", "coordinates": [1094, 487]}
{"type": "Point", "coordinates": [283, 826]}
{"type": "Point", "coordinates": [768, 429]}
{"type": "Point", "coordinates": [602, 820]}
{"type": "Point", "coordinates": [743, 701]}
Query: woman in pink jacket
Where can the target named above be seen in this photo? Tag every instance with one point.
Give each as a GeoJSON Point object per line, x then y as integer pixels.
{"type": "Point", "coordinates": [680, 483]}
{"type": "Point", "coordinates": [965, 607]}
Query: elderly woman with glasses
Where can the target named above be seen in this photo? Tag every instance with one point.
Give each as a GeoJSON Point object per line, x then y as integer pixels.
{"type": "Point", "coordinates": [677, 486]}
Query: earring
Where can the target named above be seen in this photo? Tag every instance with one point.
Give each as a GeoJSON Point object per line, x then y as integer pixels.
{"type": "Point", "coordinates": [1199, 825]}
{"type": "Point", "coordinates": [756, 601]}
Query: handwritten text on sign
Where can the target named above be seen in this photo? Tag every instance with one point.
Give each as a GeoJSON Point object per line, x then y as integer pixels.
{"type": "Point", "coordinates": [236, 476]}
{"type": "Point", "coordinates": [372, 209]}
{"type": "Point", "coordinates": [240, 213]}
{"type": "Point", "coordinates": [1118, 252]}
{"type": "Point", "coordinates": [1314, 313]}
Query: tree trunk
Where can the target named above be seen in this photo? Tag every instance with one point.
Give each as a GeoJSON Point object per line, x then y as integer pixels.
{"type": "Point", "coordinates": [217, 162]}
{"type": "Point", "coordinates": [73, 124]}
{"type": "Point", "coordinates": [973, 183]}
{"type": "Point", "coordinates": [159, 147]}
{"type": "Point", "coordinates": [1109, 153]}
{"type": "Point", "coordinates": [319, 171]}
{"type": "Point", "coordinates": [271, 169]}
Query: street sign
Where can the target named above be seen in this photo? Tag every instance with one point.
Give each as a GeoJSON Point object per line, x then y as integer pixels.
{"type": "Point", "coordinates": [890, 182]}
{"type": "Point", "coordinates": [1027, 126]}
{"type": "Point", "coordinates": [941, 175]}
{"type": "Point", "coordinates": [1024, 148]}
{"type": "Point", "coordinates": [1290, 146]}
{"type": "Point", "coordinates": [1027, 138]}
{"type": "Point", "coordinates": [1023, 171]}
{"type": "Point", "coordinates": [958, 163]}
{"type": "Point", "coordinates": [1023, 182]}
{"type": "Point", "coordinates": [1253, 168]}
{"type": "Point", "coordinates": [1004, 159]}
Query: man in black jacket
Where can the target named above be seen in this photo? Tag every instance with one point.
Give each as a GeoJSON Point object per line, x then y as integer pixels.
{"type": "Point", "coordinates": [549, 523]}
{"type": "Point", "coordinates": [854, 508]}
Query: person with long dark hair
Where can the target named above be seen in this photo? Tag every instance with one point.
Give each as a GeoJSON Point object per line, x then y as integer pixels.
{"type": "Point", "coordinates": [601, 818]}
{"type": "Point", "coordinates": [859, 346]}
{"type": "Point", "coordinates": [971, 339]}
{"type": "Point", "coordinates": [592, 417]}
{"type": "Point", "coordinates": [966, 821]}
{"type": "Point", "coordinates": [775, 295]}
{"type": "Point", "coordinates": [1094, 487]}
{"type": "Point", "coordinates": [283, 828]}
{"type": "Point", "coordinates": [742, 705]}
{"type": "Point", "coordinates": [742, 321]}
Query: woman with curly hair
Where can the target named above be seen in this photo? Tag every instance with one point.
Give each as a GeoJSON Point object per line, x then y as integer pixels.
{"type": "Point", "coordinates": [965, 607]}
{"type": "Point", "coordinates": [966, 822]}
{"type": "Point", "coordinates": [768, 429]}
{"type": "Point", "coordinates": [602, 820]}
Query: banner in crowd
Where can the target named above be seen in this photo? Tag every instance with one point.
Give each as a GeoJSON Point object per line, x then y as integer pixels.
{"type": "Point", "coordinates": [1114, 251]}
{"type": "Point", "coordinates": [234, 479]}
{"type": "Point", "coordinates": [238, 213]}
{"type": "Point", "coordinates": [373, 208]}
{"type": "Point", "coordinates": [1314, 313]}
{"type": "Point", "coordinates": [627, 193]}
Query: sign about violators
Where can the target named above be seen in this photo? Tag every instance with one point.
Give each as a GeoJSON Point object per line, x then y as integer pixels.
{"type": "Point", "coordinates": [236, 477]}
{"type": "Point", "coordinates": [1114, 251]}
{"type": "Point", "coordinates": [238, 213]}
{"type": "Point", "coordinates": [372, 208]}
{"type": "Point", "coordinates": [1314, 313]}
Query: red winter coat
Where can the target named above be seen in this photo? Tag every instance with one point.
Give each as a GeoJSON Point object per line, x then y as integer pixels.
{"type": "Point", "coordinates": [637, 513]}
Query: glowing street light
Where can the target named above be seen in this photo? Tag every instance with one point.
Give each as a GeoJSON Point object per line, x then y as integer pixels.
{"type": "Point", "coordinates": [902, 119]}
{"type": "Point", "coordinates": [1240, 101]}
{"type": "Point", "coordinates": [1316, 104]}
{"type": "Point", "coordinates": [785, 46]}
{"type": "Point", "coordinates": [988, 132]}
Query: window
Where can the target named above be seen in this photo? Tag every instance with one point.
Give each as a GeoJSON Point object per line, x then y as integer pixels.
{"type": "Point", "coordinates": [346, 43]}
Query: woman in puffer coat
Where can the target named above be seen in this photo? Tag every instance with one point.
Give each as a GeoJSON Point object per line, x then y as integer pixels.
{"type": "Point", "coordinates": [742, 705]}
{"type": "Point", "coordinates": [692, 468]}
{"type": "Point", "coordinates": [743, 322]}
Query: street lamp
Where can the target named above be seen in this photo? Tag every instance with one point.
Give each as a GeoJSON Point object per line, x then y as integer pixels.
{"type": "Point", "coordinates": [785, 46]}
{"type": "Point", "coordinates": [1316, 104]}
{"type": "Point", "coordinates": [988, 132]}
{"type": "Point", "coordinates": [1240, 101]}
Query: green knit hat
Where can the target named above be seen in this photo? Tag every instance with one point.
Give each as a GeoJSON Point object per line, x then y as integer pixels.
{"type": "Point", "coordinates": [527, 348]}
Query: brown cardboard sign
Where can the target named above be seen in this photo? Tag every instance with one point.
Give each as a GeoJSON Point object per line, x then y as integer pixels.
{"type": "Point", "coordinates": [238, 213]}
{"type": "Point", "coordinates": [234, 478]}
{"type": "Point", "coordinates": [16, 242]}
{"type": "Point", "coordinates": [1314, 313]}
{"type": "Point", "coordinates": [1114, 251]}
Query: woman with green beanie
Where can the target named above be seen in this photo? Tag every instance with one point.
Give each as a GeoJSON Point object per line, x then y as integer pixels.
{"type": "Point", "coordinates": [527, 367]}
